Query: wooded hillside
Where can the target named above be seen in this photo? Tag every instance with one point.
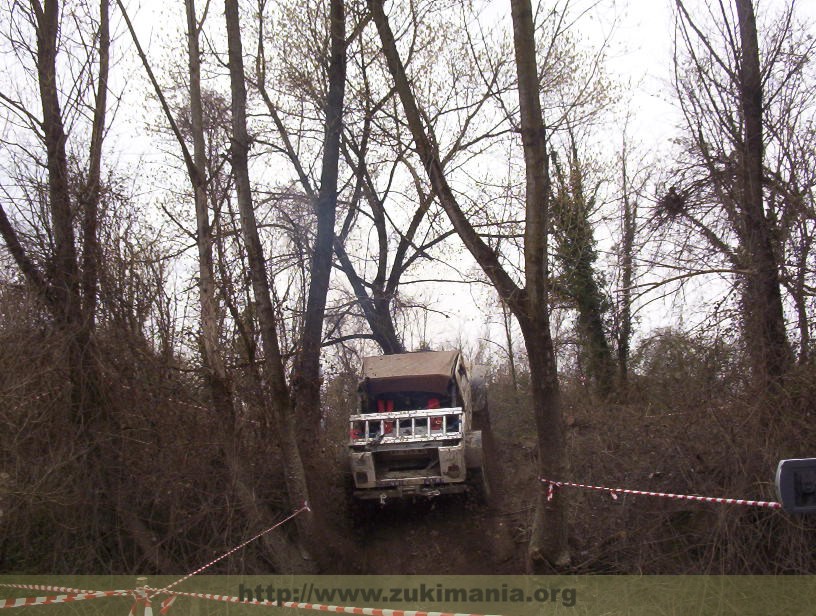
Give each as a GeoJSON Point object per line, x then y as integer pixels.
{"type": "Point", "coordinates": [210, 213]}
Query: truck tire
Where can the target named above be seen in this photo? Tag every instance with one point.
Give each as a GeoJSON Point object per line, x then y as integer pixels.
{"type": "Point", "coordinates": [481, 476]}
{"type": "Point", "coordinates": [478, 478]}
{"type": "Point", "coordinates": [478, 392]}
{"type": "Point", "coordinates": [360, 512]}
{"type": "Point", "coordinates": [479, 486]}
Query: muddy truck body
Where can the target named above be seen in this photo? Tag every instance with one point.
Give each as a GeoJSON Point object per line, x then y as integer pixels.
{"type": "Point", "coordinates": [415, 430]}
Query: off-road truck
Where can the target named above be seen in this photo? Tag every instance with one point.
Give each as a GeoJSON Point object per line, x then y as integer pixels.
{"type": "Point", "coordinates": [415, 431]}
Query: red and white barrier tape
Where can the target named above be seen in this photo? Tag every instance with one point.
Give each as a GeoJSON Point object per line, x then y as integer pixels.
{"type": "Point", "coordinates": [305, 507]}
{"type": "Point", "coordinates": [552, 485]}
{"type": "Point", "coordinates": [71, 595]}
{"type": "Point", "coordinates": [142, 595]}
{"type": "Point", "coordinates": [338, 609]}
{"type": "Point", "coordinates": [63, 589]}
{"type": "Point", "coordinates": [70, 598]}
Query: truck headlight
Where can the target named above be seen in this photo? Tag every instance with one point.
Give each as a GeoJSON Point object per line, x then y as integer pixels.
{"type": "Point", "coordinates": [453, 471]}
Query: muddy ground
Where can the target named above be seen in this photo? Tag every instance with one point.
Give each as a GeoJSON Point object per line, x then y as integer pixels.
{"type": "Point", "coordinates": [453, 534]}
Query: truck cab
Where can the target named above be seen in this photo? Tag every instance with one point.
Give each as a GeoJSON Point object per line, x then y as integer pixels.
{"type": "Point", "coordinates": [413, 433]}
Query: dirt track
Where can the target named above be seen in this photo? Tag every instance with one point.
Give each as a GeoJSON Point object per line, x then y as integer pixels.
{"type": "Point", "coordinates": [444, 535]}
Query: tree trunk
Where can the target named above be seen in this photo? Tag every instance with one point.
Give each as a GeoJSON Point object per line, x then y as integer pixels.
{"type": "Point", "coordinates": [548, 543]}
{"type": "Point", "coordinates": [89, 199]}
{"type": "Point", "coordinates": [65, 280]}
{"type": "Point", "coordinates": [628, 217]}
{"type": "Point", "coordinates": [217, 374]}
{"type": "Point", "coordinates": [65, 267]}
{"type": "Point", "coordinates": [274, 373]}
{"type": "Point", "coordinates": [377, 312]}
{"type": "Point", "coordinates": [306, 381]}
{"type": "Point", "coordinates": [799, 295]}
{"type": "Point", "coordinates": [765, 333]}
{"type": "Point", "coordinates": [507, 321]}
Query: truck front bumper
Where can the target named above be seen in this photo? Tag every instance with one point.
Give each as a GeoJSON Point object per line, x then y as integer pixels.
{"type": "Point", "coordinates": [406, 490]}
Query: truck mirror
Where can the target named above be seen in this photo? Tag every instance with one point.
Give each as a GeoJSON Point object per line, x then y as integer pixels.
{"type": "Point", "coordinates": [796, 485]}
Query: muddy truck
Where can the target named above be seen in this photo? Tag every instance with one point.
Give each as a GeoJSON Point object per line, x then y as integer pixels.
{"type": "Point", "coordinates": [418, 427]}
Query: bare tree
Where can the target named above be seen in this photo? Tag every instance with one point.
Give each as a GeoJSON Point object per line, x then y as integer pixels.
{"type": "Point", "coordinates": [306, 377]}
{"type": "Point", "coordinates": [634, 169]}
{"type": "Point", "coordinates": [202, 172]}
{"type": "Point", "coordinates": [789, 175]}
{"type": "Point", "coordinates": [765, 321]}
{"type": "Point", "coordinates": [530, 303]}
{"type": "Point", "coordinates": [69, 286]}
{"type": "Point", "coordinates": [274, 371]}
{"type": "Point", "coordinates": [627, 266]}
{"type": "Point", "coordinates": [68, 280]}
{"type": "Point", "coordinates": [369, 152]}
{"type": "Point", "coordinates": [722, 88]}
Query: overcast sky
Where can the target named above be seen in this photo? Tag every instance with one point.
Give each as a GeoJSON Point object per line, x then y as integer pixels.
{"type": "Point", "coordinates": [639, 56]}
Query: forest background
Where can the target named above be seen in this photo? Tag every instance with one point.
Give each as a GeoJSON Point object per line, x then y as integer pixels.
{"type": "Point", "coordinates": [210, 213]}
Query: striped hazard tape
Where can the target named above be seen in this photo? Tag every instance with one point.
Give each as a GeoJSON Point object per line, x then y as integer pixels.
{"type": "Point", "coordinates": [552, 485]}
{"type": "Point", "coordinates": [337, 609]}
{"type": "Point", "coordinates": [63, 589]}
{"type": "Point", "coordinates": [141, 596]}
{"type": "Point", "coordinates": [293, 515]}
{"type": "Point", "coordinates": [64, 598]}
{"type": "Point", "coordinates": [144, 595]}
